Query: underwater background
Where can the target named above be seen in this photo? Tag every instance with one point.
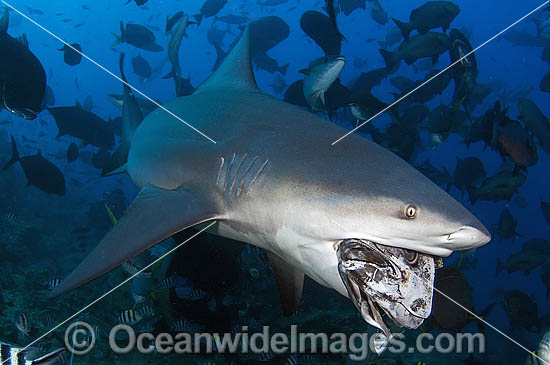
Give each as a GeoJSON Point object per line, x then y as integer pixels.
{"type": "Point", "coordinates": [462, 142]}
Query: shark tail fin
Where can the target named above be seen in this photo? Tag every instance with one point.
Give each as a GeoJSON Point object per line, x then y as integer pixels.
{"type": "Point", "coordinates": [14, 154]}
{"type": "Point", "coordinates": [403, 27]}
{"type": "Point", "coordinates": [154, 215]}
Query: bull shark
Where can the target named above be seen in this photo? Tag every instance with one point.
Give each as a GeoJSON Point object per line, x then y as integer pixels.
{"type": "Point", "coordinates": [354, 217]}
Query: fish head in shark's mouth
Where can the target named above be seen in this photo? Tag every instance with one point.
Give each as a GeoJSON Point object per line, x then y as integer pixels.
{"type": "Point", "coordinates": [384, 279]}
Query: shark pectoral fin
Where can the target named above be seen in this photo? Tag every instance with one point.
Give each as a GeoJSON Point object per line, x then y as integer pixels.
{"type": "Point", "coordinates": [290, 283]}
{"type": "Point", "coordinates": [154, 215]}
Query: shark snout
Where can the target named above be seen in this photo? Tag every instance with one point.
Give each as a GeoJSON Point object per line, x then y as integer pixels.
{"type": "Point", "coordinates": [467, 237]}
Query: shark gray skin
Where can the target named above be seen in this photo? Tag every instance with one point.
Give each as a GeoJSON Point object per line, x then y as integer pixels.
{"type": "Point", "coordinates": [273, 179]}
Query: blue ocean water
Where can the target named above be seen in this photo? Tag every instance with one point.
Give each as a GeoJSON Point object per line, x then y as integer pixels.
{"type": "Point", "coordinates": [44, 236]}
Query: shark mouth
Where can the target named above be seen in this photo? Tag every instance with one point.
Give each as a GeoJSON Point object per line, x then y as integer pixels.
{"type": "Point", "coordinates": [387, 280]}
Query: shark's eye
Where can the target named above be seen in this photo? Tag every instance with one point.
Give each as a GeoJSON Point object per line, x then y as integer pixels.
{"type": "Point", "coordinates": [411, 211]}
{"type": "Point", "coordinates": [411, 257]}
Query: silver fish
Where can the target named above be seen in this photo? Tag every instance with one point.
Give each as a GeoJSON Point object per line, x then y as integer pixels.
{"type": "Point", "coordinates": [174, 46]}
{"type": "Point", "coordinates": [320, 75]}
{"type": "Point", "coordinates": [383, 279]}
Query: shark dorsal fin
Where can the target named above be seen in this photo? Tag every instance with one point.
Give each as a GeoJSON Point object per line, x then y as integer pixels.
{"type": "Point", "coordinates": [235, 70]}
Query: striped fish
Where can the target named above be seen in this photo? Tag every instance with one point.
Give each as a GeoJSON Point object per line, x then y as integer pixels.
{"type": "Point", "coordinates": [197, 294]}
{"type": "Point", "coordinates": [53, 283]}
{"type": "Point", "coordinates": [292, 360]}
{"type": "Point", "coordinates": [22, 323]}
{"type": "Point", "coordinates": [185, 326]}
{"type": "Point", "coordinates": [48, 319]}
{"type": "Point", "coordinates": [146, 311]}
{"type": "Point", "coordinates": [168, 283]}
{"type": "Point", "coordinates": [129, 317]}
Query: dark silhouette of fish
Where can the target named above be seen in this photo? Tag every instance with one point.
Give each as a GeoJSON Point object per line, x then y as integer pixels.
{"type": "Point", "coordinates": [428, 45]}
{"type": "Point", "coordinates": [72, 55]}
{"type": "Point", "coordinates": [23, 78]}
{"type": "Point", "coordinates": [209, 9]}
{"type": "Point", "coordinates": [82, 124]}
{"type": "Point", "coordinates": [433, 14]}
{"type": "Point", "coordinates": [138, 36]}
{"type": "Point", "coordinates": [141, 67]}
{"type": "Point", "coordinates": [319, 27]}
{"type": "Point", "coordinates": [348, 6]}
{"type": "Point", "coordinates": [266, 33]}
{"type": "Point", "coordinates": [39, 172]}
